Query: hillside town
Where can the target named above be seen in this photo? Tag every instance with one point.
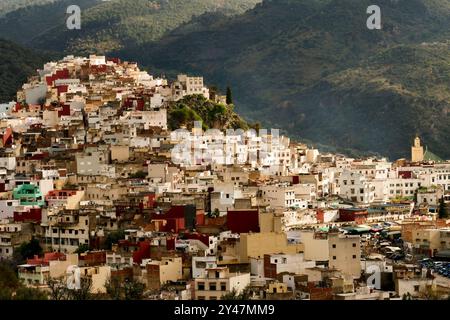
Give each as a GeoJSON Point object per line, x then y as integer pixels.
{"type": "Point", "coordinates": [93, 179]}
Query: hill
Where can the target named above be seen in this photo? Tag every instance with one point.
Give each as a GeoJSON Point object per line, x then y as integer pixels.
{"type": "Point", "coordinates": [285, 56]}
{"type": "Point", "coordinates": [16, 65]}
{"type": "Point", "coordinates": [197, 108]}
{"type": "Point", "coordinates": [310, 67]}
{"type": "Point", "coordinates": [107, 25]}
{"type": "Point", "coordinates": [12, 5]}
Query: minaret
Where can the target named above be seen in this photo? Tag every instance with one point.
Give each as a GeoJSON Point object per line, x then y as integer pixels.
{"type": "Point", "coordinates": [417, 151]}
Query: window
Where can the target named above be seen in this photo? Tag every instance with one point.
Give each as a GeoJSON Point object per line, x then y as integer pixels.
{"type": "Point", "coordinates": [354, 245]}
{"type": "Point", "coordinates": [334, 246]}
{"type": "Point", "coordinates": [212, 286]}
{"type": "Point", "coordinates": [334, 257]}
{"type": "Point", "coordinates": [201, 286]}
{"type": "Point", "coordinates": [354, 256]}
{"type": "Point", "coordinates": [223, 286]}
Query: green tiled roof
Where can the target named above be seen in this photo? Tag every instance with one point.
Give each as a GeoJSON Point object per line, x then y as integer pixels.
{"type": "Point", "coordinates": [430, 156]}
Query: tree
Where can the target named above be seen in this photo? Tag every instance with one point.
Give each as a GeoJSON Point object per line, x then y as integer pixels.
{"type": "Point", "coordinates": [407, 296]}
{"type": "Point", "coordinates": [256, 126]}
{"type": "Point", "coordinates": [229, 96]}
{"type": "Point", "coordinates": [213, 90]}
{"type": "Point", "coordinates": [125, 290]}
{"type": "Point", "coordinates": [113, 237]}
{"type": "Point", "coordinates": [214, 214]}
{"type": "Point", "coordinates": [84, 292]}
{"type": "Point", "coordinates": [430, 294]}
{"type": "Point", "coordinates": [8, 281]}
{"type": "Point", "coordinates": [114, 289]}
{"type": "Point", "coordinates": [138, 175]}
{"type": "Point", "coordinates": [24, 293]}
{"type": "Point", "coordinates": [233, 295]}
{"type": "Point", "coordinates": [133, 290]}
{"type": "Point", "coordinates": [443, 214]}
{"type": "Point", "coordinates": [58, 289]}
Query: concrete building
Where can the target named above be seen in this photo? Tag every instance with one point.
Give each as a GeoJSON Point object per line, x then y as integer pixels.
{"type": "Point", "coordinates": [345, 254]}
{"type": "Point", "coordinates": [256, 245]}
{"type": "Point", "coordinates": [160, 272]}
{"type": "Point", "coordinates": [217, 282]}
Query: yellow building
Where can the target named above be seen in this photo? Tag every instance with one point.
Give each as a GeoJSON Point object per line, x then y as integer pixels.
{"type": "Point", "coordinates": [256, 245]}
{"type": "Point", "coordinates": [431, 239]}
{"type": "Point", "coordinates": [160, 272]}
{"type": "Point", "coordinates": [345, 254]}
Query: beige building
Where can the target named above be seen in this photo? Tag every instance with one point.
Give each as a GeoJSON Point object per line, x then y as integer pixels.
{"type": "Point", "coordinates": [342, 252]}
{"type": "Point", "coordinates": [99, 275]}
{"type": "Point", "coordinates": [217, 282]}
{"type": "Point", "coordinates": [66, 232]}
{"type": "Point", "coordinates": [120, 153]}
{"type": "Point", "coordinates": [345, 254]}
{"type": "Point", "coordinates": [431, 239]}
{"type": "Point", "coordinates": [270, 222]}
{"type": "Point", "coordinates": [160, 272]}
{"type": "Point", "coordinates": [315, 244]}
{"type": "Point", "coordinates": [58, 268]}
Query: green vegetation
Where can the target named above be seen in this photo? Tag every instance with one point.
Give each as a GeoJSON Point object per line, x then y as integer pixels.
{"type": "Point", "coordinates": [82, 248]}
{"type": "Point", "coordinates": [442, 211]}
{"type": "Point", "coordinates": [28, 250]}
{"type": "Point", "coordinates": [113, 238]}
{"type": "Point", "coordinates": [233, 295]}
{"type": "Point", "coordinates": [16, 64]}
{"type": "Point", "coordinates": [138, 175]}
{"type": "Point", "coordinates": [125, 290]}
{"type": "Point", "coordinates": [12, 289]}
{"type": "Point", "coordinates": [213, 214]}
{"type": "Point", "coordinates": [314, 69]}
{"type": "Point", "coordinates": [197, 108]}
{"type": "Point", "coordinates": [229, 96]}
{"type": "Point", "coordinates": [12, 5]}
{"type": "Point", "coordinates": [310, 67]}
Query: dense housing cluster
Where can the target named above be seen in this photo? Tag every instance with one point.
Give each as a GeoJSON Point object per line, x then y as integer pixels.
{"type": "Point", "coordinates": [88, 171]}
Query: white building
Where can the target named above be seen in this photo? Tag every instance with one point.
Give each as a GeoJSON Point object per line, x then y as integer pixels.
{"type": "Point", "coordinates": [355, 187]}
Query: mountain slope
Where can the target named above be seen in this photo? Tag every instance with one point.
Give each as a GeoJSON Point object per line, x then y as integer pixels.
{"type": "Point", "coordinates": [279, 55]}
{"type": "Point", "coordinates": [16, 64]}
{"type": "Point", "coordinates": [379, 105]}
{"type": "Point", "coordinates": [12, 5]}
{"type": "Point", "coordinates": [28, 24]}
{"type": "Point", "coordinates": [107, 25]}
